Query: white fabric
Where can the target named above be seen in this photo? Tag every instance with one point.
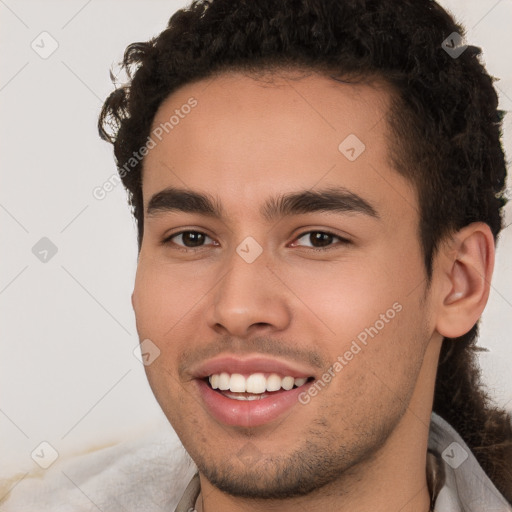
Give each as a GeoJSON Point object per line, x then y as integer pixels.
{"type": "Point", "coordinates": [138, 476]}
{"type": "Point", "coordinates": [135, 475]}
{"type": "Point", "coordinates": [467, 487]}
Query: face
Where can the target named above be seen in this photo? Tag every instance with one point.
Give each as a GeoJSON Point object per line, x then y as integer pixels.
{"type": "Point", "coordinates": [295, 285]}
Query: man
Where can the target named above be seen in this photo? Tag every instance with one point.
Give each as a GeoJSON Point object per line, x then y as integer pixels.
{"type": "Point", "coordinates": [317, 187]}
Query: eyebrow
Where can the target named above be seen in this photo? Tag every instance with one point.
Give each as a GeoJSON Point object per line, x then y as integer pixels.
{"type": "Point", "coordinates": [333, 199]}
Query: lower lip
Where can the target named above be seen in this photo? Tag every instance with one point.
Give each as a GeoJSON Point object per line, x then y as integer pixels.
{"type": "Point", "coordinates": [248, 413]}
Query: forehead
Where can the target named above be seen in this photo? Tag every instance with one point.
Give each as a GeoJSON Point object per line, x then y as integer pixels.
{"type": "Point", "coordinates": [245, 138]}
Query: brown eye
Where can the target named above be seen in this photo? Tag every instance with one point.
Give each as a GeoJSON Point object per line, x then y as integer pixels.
{"type": "Point", "coordinates": [321, 239]}
{"type": "Point", "coordinates": [188, 239]}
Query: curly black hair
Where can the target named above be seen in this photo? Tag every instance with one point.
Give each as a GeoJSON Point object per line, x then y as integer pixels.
{"type": "Point", "coordinates": [444, 120]}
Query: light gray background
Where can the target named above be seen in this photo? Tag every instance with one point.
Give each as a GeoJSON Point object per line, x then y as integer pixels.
{"type": "Point", "coordinates": [67, 370]}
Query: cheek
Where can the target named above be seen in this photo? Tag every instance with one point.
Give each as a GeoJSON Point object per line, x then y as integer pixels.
{"type": "Point", "coordinates": [347, 298]}
{"type": "Point", "coordinates": [167, 302]}
{"type": "Point", "coordinates": [159, 303]}
{"type": "Point", "coordinates": [370, 314]}
{"type": "Point", "coordinates": [163, 298]}
{"type": "Point", "coordinates": [378, 368]}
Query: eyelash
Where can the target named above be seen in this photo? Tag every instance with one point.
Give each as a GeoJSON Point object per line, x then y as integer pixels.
{"type": "Point", "coordinates": [168, 240]}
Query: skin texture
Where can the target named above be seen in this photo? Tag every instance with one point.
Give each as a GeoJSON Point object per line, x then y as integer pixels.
{"type": "Point", "coordinates": [360, 444]}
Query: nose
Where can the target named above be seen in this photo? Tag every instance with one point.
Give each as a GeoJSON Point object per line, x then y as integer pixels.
{"type": "Point", "coordinates": [250, 297]}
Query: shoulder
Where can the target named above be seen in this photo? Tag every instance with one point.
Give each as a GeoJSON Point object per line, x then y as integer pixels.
{"type": "Point", "coordinates": [147, 473]}
{"type": "Point", "coordinates": [466, 486]}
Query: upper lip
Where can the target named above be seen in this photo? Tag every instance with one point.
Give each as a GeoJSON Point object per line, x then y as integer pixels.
{"type": "Point", "coordinates": [255, 364]}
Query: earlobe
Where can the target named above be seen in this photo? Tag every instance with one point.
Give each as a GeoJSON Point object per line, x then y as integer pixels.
{"type": "Point", "coordinates": [466, 271]}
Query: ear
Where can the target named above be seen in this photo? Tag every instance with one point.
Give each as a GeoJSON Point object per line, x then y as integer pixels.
{"type": "Point", "coordinates": [465, 269]}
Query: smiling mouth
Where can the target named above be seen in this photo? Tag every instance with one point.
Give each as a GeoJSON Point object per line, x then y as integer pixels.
{"type": "Point", "coordinates": [255, 386]}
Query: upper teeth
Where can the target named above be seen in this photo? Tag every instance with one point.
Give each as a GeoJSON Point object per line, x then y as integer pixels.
{"type": "Point", "coordinates": [254, 383]}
